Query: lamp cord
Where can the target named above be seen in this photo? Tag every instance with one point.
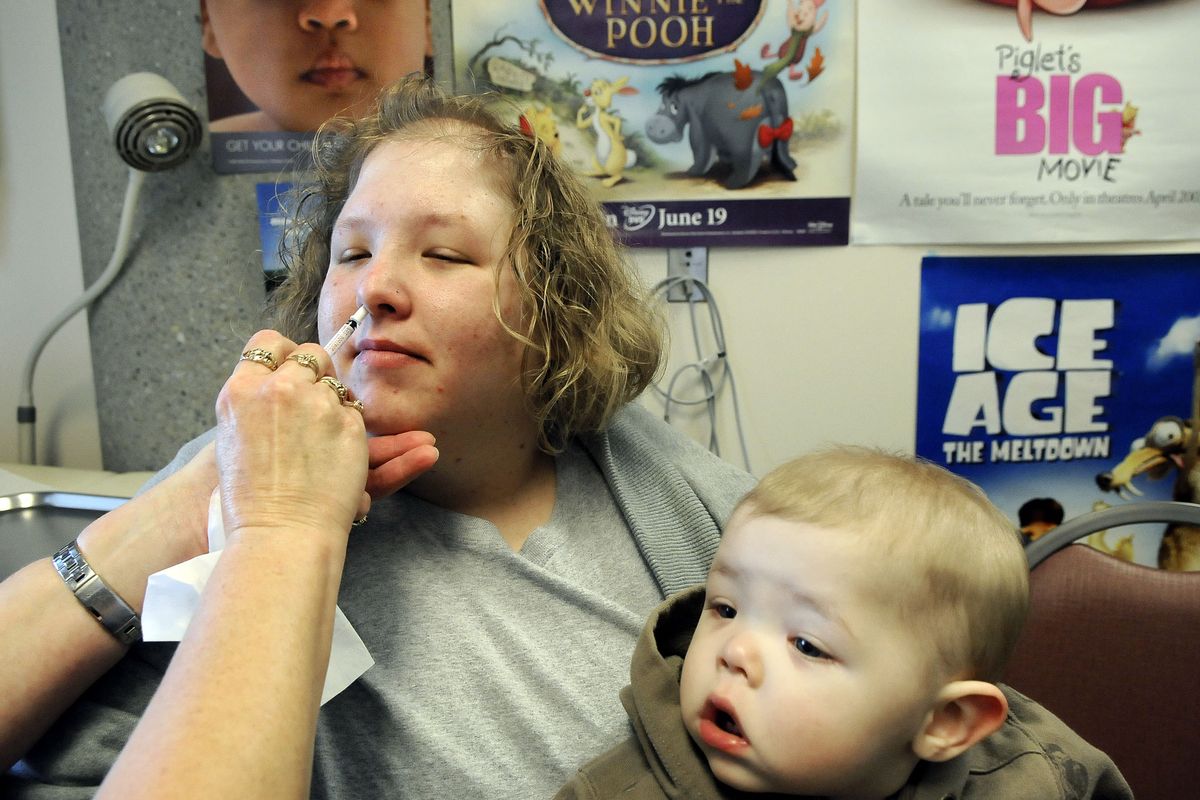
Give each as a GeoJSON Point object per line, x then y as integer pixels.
{"type": "Point", "coordinates": [26, 412]}
{"type": "Point", "coordinates": [713, 370]}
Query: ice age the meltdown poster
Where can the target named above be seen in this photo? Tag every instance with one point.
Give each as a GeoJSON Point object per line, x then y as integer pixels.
{"type": "Point", "coordinates": [1039, 376]}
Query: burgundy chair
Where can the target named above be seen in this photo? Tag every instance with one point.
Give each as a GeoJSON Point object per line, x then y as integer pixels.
{"type": "Point", "coordinates": [1113, 649]}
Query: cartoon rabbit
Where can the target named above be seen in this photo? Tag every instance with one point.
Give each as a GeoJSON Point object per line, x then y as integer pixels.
{"type": "Point", "coordinates": [612, 157]}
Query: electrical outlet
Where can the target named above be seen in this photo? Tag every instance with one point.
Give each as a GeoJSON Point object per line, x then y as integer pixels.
{"type": "Point", "coordinates": [687, 262]}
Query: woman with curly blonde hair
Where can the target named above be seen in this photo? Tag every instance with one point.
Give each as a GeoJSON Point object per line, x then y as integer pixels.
{"type": "Point", "coordinates": [592, 343]}
{"type": "Point", "coordinates": [501, 590]}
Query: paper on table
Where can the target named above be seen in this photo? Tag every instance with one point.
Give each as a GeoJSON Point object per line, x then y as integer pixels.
{"type": "Point", "coordinates": [173, 594]}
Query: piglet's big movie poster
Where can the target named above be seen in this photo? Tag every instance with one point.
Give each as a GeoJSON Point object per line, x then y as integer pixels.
{"type": "Point", "coordinates": [1031, 121]}
{"type": "Point", "coordinates": [1058, 376]}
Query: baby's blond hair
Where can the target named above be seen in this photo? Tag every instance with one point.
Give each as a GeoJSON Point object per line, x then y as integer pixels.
{"type": "Point", "coordinates": [961, 578]}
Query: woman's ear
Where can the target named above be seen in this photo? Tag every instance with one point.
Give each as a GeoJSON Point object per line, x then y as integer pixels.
{"type": "Point", "coordinates": [964, 713]}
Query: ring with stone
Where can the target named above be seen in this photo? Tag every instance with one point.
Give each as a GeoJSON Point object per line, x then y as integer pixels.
{"type": "Point", "coordinates": [307, 360]}
{"type": "Point", "coordinates": [355, 404]}
{"type": "Point", "coordinates": [260, 356]}
{"type": "Point", "coordinates": [359, 521]}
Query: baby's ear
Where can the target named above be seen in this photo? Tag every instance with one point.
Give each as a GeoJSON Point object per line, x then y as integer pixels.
{"type": "Point", "coordinates": [964, 713]}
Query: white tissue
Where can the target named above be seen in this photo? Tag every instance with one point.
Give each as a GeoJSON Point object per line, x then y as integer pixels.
{"type": "Point", "coordinates": [173, 594]}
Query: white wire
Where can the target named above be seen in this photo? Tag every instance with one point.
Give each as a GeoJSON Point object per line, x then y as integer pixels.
{"type": "Point", "coordinates": [115, 262]}
{"type": "Point", "coordinates": [704, 366]}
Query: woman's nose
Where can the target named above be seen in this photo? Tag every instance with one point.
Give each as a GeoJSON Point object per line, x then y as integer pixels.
{"type": "Point", "coordinates": [743, 655]}
{"type": "Point", "coordinates": [328, 15]}
{"type": "Point", "coordinates": [384, 288]}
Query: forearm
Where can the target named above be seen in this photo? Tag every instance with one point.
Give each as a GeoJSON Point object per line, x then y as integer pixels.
{"type": "Point", "coordinates": [236, 713]}
{"type": "Point", "coordinates": [52, 648]}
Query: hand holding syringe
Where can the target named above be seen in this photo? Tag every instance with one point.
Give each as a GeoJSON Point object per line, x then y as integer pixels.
{"type": "Point", "coordinates": [173, 595]}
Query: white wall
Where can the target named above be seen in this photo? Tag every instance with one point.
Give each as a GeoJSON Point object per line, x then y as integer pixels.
{"type": "Point", "coordinates": [822, 341]}
{"type": "Point", "coordinates": [40, 265]}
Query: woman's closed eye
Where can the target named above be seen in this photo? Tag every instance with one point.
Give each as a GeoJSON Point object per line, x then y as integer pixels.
{"type": "Point", "coordinates": [450, 256]}
{"type": "Point", "coordinates": [352, 254]}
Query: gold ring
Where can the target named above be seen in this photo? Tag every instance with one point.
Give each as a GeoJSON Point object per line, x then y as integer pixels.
{"type": "Point", "coordinates": [337, 386]}
{"type": "Point", "coordinates": [355, 404]}
{"type": "Point", "coordinates": [358, 521]}
{"type": "Point", "coordinates": [309, 361]}
{"type": "Point", "coordinates": [260, 356]}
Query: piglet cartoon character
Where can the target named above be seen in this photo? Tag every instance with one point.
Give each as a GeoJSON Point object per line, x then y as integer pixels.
{"type": "Point", "coordinates": [803, 23]}
{"type": "Point", "coordinates": [1062, 8]}
{"type": "Point", "coordinates": [1025, 12]}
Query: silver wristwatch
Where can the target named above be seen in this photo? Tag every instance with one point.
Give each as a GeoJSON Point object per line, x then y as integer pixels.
{"type": "Point", "coordinates": [105, 605]}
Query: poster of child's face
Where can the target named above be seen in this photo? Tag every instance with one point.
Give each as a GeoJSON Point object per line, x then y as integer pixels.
{"type": "Point", "coordinates": [289, 65]}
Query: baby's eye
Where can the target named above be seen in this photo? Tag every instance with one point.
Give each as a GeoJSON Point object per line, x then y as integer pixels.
{"type": "Point", "coordinates": [808, 648]}
{"type": "Point", "coordinates": [726, 611]}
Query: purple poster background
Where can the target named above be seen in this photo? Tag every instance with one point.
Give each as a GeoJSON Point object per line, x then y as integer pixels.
{"type": "Point", "coordinates": [689, 223]}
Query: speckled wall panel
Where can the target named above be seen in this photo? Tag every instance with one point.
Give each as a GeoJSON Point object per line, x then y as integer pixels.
{"type": "Point", "coordinates": [166, 334]}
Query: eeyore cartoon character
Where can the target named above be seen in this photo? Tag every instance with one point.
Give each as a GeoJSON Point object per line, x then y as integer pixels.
{"type": "Point", "coordinates": [726, 124]}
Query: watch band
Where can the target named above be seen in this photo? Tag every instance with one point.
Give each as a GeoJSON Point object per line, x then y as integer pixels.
{"type": "Point", "coordinates": [93, 593]}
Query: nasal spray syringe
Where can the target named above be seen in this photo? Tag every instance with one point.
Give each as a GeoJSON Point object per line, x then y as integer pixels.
{"type": "Point", "coordinates": [346, 331]}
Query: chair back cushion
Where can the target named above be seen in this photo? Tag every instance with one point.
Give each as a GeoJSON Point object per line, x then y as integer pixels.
{"type": "Point", "coordinates": [1113, 649]}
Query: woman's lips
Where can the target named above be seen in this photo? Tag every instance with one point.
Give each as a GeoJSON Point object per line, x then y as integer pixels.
{"type": "Point", "coordinates": [385, 354]}
{"type": "Point", "coordinates": [386, 359]}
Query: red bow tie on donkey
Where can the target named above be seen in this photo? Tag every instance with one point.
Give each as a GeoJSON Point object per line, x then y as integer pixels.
{"type": "Point", "coordinates": [767, 134]}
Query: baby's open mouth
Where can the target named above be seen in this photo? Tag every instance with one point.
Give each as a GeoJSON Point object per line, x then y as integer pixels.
{"type": "Point", "coordinates": [719, 727]}
{"type": "Point", "coordinates": [726, 722]}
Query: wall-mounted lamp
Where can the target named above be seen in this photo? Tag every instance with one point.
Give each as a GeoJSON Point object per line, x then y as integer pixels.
{"type": "Point", "coordinates": [153, 129]}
